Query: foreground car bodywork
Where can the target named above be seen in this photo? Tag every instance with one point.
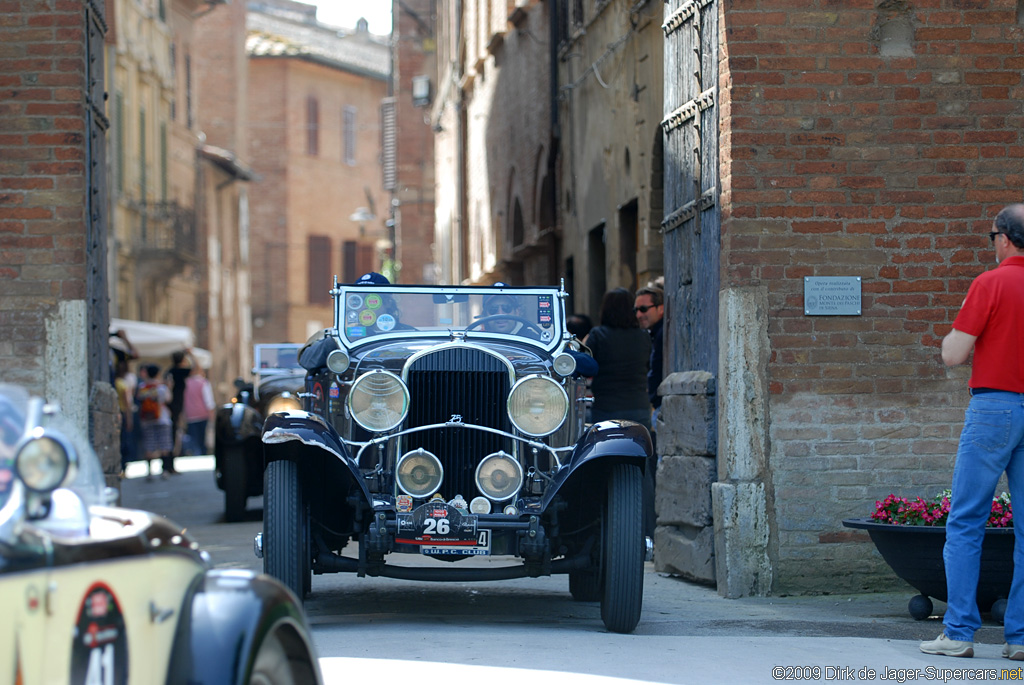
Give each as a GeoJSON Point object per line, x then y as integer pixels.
{"type": "Point", "coordinates": [99, 594]}
{"type": "Point", "coordinates": [439, 423]}
{"type": "Point", "coordinates": [237, 450]}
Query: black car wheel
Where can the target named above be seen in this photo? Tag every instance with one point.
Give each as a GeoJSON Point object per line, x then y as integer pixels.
{"type": "Point", "coordinates": [623, 550]}
{"type": "Point", "coordinates": [272, 666]}
{"type": "Point", "coordinates": [235, 485]}
{"type": "Point", "coordinates": [285, 545]}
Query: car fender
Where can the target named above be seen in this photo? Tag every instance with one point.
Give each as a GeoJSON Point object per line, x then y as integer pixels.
{"type": "Point", "coordinates": [603, 444]}
{"type": "Point", "coordinates": [302, 429]}
{"type": "Point", "coordinates": [225, 617]}
{"type": "Point", "coordinates": [236, 423]}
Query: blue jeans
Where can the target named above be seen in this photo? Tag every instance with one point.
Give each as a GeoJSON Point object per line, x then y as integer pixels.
{"type": "Point", "coordinates": [196, 431]}
{"type": "Point", "coordinates": [992, 442]}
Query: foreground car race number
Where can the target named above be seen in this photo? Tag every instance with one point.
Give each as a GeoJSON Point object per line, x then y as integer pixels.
{"type": "Point", "coordinates": [99, 653]}
{"type": "Point", "coordinates": [439, 528]}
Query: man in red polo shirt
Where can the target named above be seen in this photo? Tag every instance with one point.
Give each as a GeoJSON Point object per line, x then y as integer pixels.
{"type": "Point", "coordinates": [991, 323]}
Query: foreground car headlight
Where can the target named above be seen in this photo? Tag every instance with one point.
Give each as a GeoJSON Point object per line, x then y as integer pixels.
{"type": "Point", "coordinates": [499, 476]}
{"type": "Point", "coordinates": [419, 473]}
{"type": "Point", "coordinates": [537, 405]}
{"type": "Point", "coordinates": [45, 462]}
{"type": "Point", "coordinates": [283, 402]}
{"type": "Point", "coordinates": [378, 400]}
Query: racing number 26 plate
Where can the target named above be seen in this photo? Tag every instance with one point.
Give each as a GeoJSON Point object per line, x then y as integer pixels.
{"type": "Point", "coordinates": [439, 528]}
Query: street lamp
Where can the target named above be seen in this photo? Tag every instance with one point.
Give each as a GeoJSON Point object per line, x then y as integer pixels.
{"type": "Point", "coordinates": [362, 216]}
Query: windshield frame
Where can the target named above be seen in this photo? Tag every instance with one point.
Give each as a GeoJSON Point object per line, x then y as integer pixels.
{"type": "Point", "coordinates": [465, 296]}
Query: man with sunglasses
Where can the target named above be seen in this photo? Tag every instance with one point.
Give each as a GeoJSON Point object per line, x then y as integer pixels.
{"type": "Point", "coordinates": [649, 309]}
{"type": "Point", "coordinates": [505, 309]}
{"type": "Point", "coordinates": [991, 324]}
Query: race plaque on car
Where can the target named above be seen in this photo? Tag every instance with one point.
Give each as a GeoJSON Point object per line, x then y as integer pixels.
{"type": "Point", "coordinates": [439, 528]}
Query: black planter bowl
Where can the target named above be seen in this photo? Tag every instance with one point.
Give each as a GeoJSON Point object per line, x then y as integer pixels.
{"type": "Point", "coordinates": [914, 553]}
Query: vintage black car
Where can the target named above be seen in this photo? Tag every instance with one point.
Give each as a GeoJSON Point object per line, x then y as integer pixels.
{"type": "Point", "coordinates": [238, 452]}
{"type": "Point", "coordinates": [99, 594]}
{"type": "Point", "coordinates": [448, 422]}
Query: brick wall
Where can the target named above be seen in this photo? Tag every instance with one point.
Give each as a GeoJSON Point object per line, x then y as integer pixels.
{"type": "Point", "coordinates": [414, 55]}
{"type": "Point", "coordinates": [42, 178]}
{"type": "Point", "coordinates": [838, 160]}
{"type": "Point", "coordinates": [268, 147]}
{"type": "Point", "coordinates": [51, 318]}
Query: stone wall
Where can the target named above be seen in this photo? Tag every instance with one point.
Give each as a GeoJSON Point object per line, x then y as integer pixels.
{"type": "Point", "coordinates": [687, 444]}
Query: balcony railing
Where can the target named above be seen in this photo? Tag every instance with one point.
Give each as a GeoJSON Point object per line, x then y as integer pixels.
{"type": "Point", "coordinates": [164, 231]}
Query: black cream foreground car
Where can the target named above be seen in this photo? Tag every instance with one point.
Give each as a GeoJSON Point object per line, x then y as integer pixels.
{"type": "Point", "coordinates": [448, 422]}
{"type": "Point", "coordinates": [99, 594]}
{"type": "Point", "coordinates": [238, 453]}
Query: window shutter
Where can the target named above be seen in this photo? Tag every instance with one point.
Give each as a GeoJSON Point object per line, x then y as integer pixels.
{"type": "Point", "coordinates": [388, 143]}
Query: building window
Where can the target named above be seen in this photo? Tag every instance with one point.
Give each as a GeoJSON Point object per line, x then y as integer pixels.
{"type": "Point", "coordinates": [120, 123]}
{"type": "Point", "coordinates": [312, 126]}
{"type": "Point", "coordinates": [142, 155]}
{"type": "Point", "coordinates": [163, 162]}
{"type": "Point", "coordinates": [319, 269]}
{"type": "Point", "coordinates": [188, 91]}
{"type": "Point", "coordinates": [349, 135]}
{"type": "Point", "coordinates": [349, 274]}
{"type": "Point", "coordinates": [174, 81]}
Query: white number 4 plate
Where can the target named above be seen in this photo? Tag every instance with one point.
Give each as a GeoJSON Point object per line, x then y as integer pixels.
{"type": "Point", "coordinates": [481, 548]}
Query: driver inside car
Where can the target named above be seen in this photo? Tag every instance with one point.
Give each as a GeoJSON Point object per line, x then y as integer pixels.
{"type": "Point", "coordinates": [504, 314]}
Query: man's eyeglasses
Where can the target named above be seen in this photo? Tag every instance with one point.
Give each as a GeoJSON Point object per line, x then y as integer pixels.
{"type": "Point", "coordinates": [992, 235]}
{"type": "Point", "coordinates": [643, 309]}
{"type": "Point", "coordinates": [500, 309]}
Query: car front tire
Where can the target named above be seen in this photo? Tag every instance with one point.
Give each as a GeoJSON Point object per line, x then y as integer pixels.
{"type": "Point", "coordinates": [285, 527]}
{"type": "Point", "coordinates": [623, 557]}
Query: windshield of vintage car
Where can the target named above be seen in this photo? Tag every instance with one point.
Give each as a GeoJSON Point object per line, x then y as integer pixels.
{"type": "Point", "coordinates": [88, 481]}
{"type": "Point", "coordinates": [531, 315]}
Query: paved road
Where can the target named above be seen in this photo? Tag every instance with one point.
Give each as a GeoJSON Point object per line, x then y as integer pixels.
{"type": "Point", "coordinates": [466, 631]}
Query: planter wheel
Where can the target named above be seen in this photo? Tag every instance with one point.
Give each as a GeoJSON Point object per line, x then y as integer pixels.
{"type": "Point", "coordinates": [920, 607]}
{"type": "Point", "coordinates": [998, 610]}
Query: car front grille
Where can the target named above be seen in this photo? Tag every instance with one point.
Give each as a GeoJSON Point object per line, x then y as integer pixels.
{"type": "Point", "coordinates": [458, 384]}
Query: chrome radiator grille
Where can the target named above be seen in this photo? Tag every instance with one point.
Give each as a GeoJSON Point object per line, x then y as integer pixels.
{"type": "Point", "coordinates": [458, 382]}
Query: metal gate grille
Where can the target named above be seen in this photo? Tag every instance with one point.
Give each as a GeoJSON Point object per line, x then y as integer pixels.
{"type": "Point", "coordinates": [471, 385]}
{"type": "Point", "coordinates": [692, 218]}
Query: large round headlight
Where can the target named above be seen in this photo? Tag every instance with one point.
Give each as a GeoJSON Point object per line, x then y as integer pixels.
{"type": "Point", "coordinates": [378, 400]}
{"type": "Point", "coordinates": [44, 462]}
{"type": "Point", "coordinates": [419, 473]}
{"type": "Point", "coordinates": [283, 402]}
{"type": "Point", "coordinates": [537, 405]}
{"type": "Point", "coordinates": [499, 476]}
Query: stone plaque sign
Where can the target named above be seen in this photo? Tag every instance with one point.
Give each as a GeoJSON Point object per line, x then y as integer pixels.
{"type": "Point", "coordinates": [832, 295]}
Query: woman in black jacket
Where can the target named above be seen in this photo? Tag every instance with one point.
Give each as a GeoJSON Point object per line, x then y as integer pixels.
{"type": "Point", "coordinates": [622, 350]}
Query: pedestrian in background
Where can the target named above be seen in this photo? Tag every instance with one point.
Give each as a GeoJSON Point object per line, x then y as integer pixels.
{"type": "Point", "coordinates": [623, 352]}
{"type": "Point", "coordinates": [181, 366]}
{"type": "Point", "coordinates": [154, 418]}
{"type": "Point", "coordinates": [991, 324]}
{"type": "Point", "coordinates": [198, 408]}
{"type": "Point", "coordinates": [649, 309]}
{"type": "Point", "coordinates": [579, 325]}
{"type": "Point", "coordinates": [126, 405]}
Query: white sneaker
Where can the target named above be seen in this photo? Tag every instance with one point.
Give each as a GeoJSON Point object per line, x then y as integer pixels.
{"type": "Point", "coordinates": [1013, 652]}
{"type": "Point", "coordinates": [946, 647]}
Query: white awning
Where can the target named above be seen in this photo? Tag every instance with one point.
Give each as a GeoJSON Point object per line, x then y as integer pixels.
{"type": "Point", "coordinates": [157, 341]}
